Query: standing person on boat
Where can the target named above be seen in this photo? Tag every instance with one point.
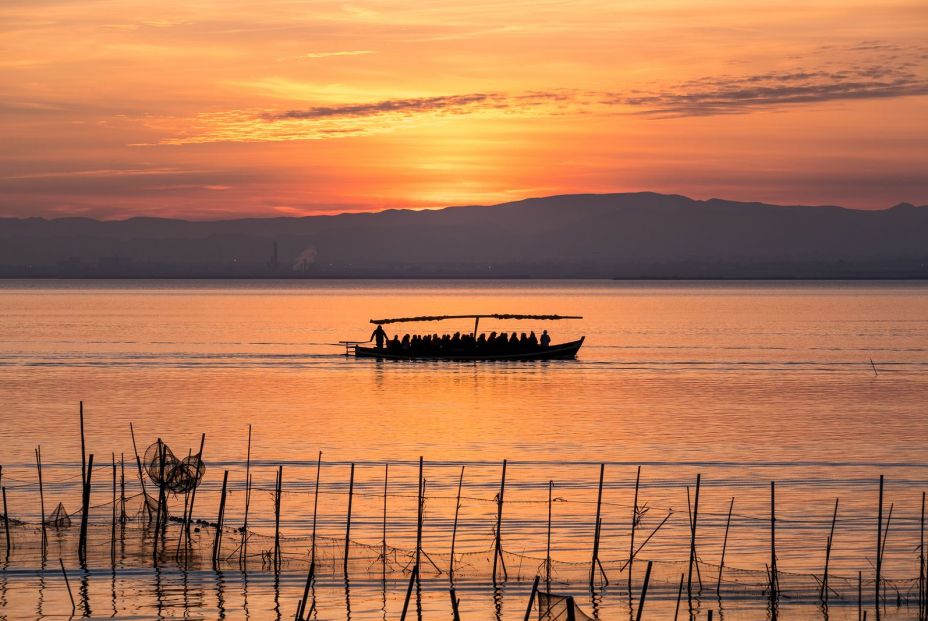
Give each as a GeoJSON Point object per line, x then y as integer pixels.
{"type": "Point", "coordinates": [545, 340]}
{"type": "Point", "coordinates": [379, 335]}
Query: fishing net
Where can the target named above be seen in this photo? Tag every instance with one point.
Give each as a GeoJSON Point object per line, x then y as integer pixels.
{"type": "Point", "coordinates": [553, 607]}
{"type": "Point", "coordinates": [177, 475]}
{"type": "Point", "coordinates": [59, 517]}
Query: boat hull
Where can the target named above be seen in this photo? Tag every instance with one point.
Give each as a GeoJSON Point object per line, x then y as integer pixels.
{"type": "Point", "coordinates": [563, 351]}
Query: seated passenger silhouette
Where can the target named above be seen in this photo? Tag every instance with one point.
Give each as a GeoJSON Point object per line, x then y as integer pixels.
{"type": "Point", "coordinates": [395, 343]}
{"type": "Point", "coordinates": [379, 335]}
{"type": "Point", "coordinates": [532, 340]}
{"type": "Point", "coordinates": [545, 340]}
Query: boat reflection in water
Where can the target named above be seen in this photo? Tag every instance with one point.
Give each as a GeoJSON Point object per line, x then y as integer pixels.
{"type": "Point", "coordinates": [466, 346]}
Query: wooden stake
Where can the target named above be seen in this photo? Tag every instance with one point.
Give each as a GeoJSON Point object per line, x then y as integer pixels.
{"type": "Point", "coordinates": [277, 499]}
{"type": "Point", "coordinates": [695, 513]}
{"type": "Point", "coordinates": [193, 497]}
{"type": "Point", "coordinates": [123, 518]}
{"type": "Point", "coordinates": [498, 548]}
{"type": "Point", "coordinates": [315, 510]}
{"type": "Point", "coordinates": [383, 552]}
{"type": "Point", "coordinates": [644, 591]}
{"type": "Point", "coordinates": [921, 564]}
{"type": "Point", "coordinates": [243, 548]}
{"type": "Point", "coordinates": [597, 532]}
{"type": "Point", "coordinates": [85, 510]}
{"type": "Point", "coordinates": [138, 463]}
{"type": "Point", "coordinates": [413, 575]}
{"type": "Point", "coordinates": [83, 446]}
{"type": "Point", "coordinates": [162, 453]}
{"type": "Point", "coordinates": [831, 535]}
{"type": "Point", "coordinates": [718, 586]}
{"type": "Point", "coordinates": [419, 515]}
{"type": "Point", "coordinates": [454, 528]}
{"type": "Point", "coordinates": [348, 519]}
{"type": "Point", "coordinates": [531, 598]}
{"type": "Point", "coordinates": [631, 551]}
{"type": "Point", "coordinates": [217, 542]}
{"type": "Point", "coordinates": [548, 549]}
{"type": "Point", "coordinates": [38, 466]}
{"type": "Point", "coordinates": [879, 549]}
{"type": "Point", "coordinates": [676, 611]}
{"type": "Point", "coordinates": [773, 551]}
{"type": "Point", "coordinates": [6, 525]}
{"type": "Point", "coordinates": [113, 526]}
{"type": "Point", "coordinates": [67, 583]}
{"type": "Point", "coordinates": [454, 605]}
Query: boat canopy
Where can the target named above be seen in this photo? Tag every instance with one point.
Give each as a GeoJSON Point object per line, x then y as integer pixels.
{"type": "Point", "coordinates": [477, 317]}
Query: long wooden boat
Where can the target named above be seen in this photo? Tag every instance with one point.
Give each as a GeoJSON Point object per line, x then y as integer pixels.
{"type": "Point", "coordinates": [561, 351]}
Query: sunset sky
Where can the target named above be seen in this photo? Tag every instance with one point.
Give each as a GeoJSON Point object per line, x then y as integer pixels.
{"type": "Point", "coordinates": [212, 109]}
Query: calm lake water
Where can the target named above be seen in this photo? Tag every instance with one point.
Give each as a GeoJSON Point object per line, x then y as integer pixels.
{"type": "Point", "coordinates": [821, 387]}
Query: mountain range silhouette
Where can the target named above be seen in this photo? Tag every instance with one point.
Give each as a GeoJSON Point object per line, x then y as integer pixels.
{"type": "Point", "coordinates": [631, 235]}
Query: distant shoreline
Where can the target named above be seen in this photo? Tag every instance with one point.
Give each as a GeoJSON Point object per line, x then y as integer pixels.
{"type": "Point", "coordinates": [914, 278]}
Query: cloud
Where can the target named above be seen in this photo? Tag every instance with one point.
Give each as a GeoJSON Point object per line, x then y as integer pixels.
{"type": "Point", "coordinates": [417, 105]}
{"type": "Point", "coordinates": [315, 55]}
{"type": "Point", "coordinates": [880, 78]}
{"type": "Point", "coordinates": [361, 119]}
{"type": "Point", "coordinates": [741, 94]}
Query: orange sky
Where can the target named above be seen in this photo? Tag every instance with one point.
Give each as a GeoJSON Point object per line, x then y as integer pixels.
{"type": "Point", "coordinates": [221, 108]}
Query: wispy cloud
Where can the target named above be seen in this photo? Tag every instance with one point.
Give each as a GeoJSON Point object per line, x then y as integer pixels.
{"type": "Point", "coordinates": [741, 94]}
{"type": "Point", "coordinates": [881, 78]}
{"type": "Point", "coordinates": [360, 119]}
{"type": "Point", "coordinates": [315, 55]}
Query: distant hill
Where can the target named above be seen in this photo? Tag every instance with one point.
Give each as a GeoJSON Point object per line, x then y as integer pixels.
{"type": "Point", "coordinates": [640, 235]}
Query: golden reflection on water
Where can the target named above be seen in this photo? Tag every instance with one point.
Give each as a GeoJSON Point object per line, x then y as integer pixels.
{"type": "Point", "coordinates": [744, 383]}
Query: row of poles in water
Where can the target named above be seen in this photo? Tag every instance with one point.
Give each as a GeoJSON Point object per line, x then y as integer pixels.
{"type": "Point", "coordinates": [597, 573]}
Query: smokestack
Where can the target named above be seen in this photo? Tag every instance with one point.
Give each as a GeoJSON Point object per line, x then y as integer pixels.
{"type": "Point", "coordinates": [274, 262]}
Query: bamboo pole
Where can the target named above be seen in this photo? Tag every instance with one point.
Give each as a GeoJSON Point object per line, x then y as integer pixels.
{"type": "Point", "coordinates": [454, 604]}
{"type": "Point", "coordinates": [718, 585]}
{"type": "Point", "coordinates": [419, 515]}
{"type": "Point", "coordinates": [217, 542]}
{"type": "Point", "coordinates": [310, 576]}
{"type": "Point", "coordinates": [138, 463]}
{"type": "Point", "coordinates": [498, 548]}
{"type": "Point", "coordinates": [694, 515]}
{"type": "Point", "coordinates": [113, 525]}
{"type": "Point", "coordinates": [6, 524]}
{"type": "Point", "coordinates": [67, 583]}
{"type": "Point", "coordinates": [773, 551]}
{"type": "Point", "coordinates": [162, 453]}
{"type": "Point", "coordinates": [38, 466]}
{"type": "Point", "coordinates": [193, 494]}
{"type": "Point", "coordinates": [123, 518]}
{"type": "Point", "coordinates": [634, 525]}
{"type": "Point", "coordinates": [531, 598]}
{"type": "Point", "coordinates": [348, 519]}
{"type": "Point", "coordinates": [83, 444]}
{"type": "Point", "coordinates": [548, 548]}
{"type": "Point", "coordinates": [921, 564]}
{"type": "Point", "coordinates": [277, 499]}
{"type": "Point", "coordinates": [879, 550]}
{"type": "Point", "coordinates": [597, 532]}
{"type": "Point", "coordinates": [831, 535]}
{"type": "Point", "coordinates": [383, 551]}
{"type": "Point", "coordinates": [85, 509]}
{"type": "Point", "coordinates": [315, 510]}
{"type": "Point", "coordinates": [413, 575]}
{"type": "Point", "coordinates": [644, 591]}
{"type": "Point", "coordinates": [243, 547]}
{"type": "Point", "coordinates": [676, 611]}
{"type": "Point", "coordinates": [454, 528]}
